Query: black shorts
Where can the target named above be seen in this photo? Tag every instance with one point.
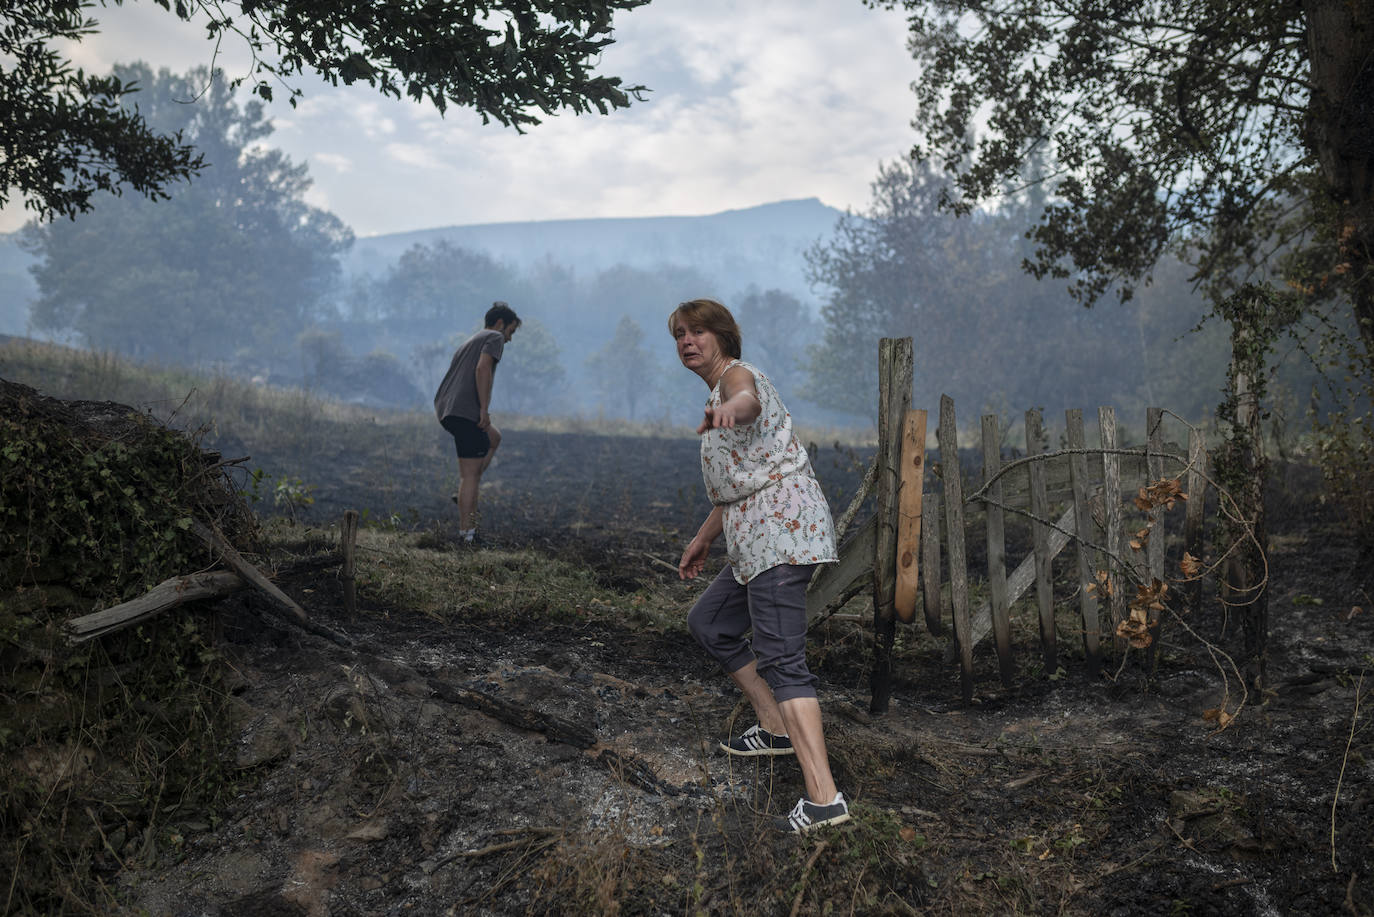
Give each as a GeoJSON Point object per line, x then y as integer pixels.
{"type": "Point", "coordinates": [471, 441]}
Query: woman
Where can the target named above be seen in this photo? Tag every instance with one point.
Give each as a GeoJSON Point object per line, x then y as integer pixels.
{"type": "Point", "coordinates": [777, 527]}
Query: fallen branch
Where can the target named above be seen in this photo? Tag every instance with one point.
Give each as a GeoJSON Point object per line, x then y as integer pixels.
{"type": "Point", "coordinates": [165, 595]}
{"type": "Point", "coordinates": [1345, 758]}
{"type": "Point", "coordinates": [806, 873]}
{"type": "Point", "coordinates": [243, 568]}
{"type": "Point", "coordinates": [515, 715]}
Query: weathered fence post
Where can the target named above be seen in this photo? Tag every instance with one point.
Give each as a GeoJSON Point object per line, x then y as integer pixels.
{"type": "Point", "coordinates": [930, 565]}
{"type": "Point", "coordinates": [1078, 478]}
{"type": "Point", "coordinates": [1154, 549]}
{"type": "Point", "coordinates": [948, 435]}
{"type": "Point", "coordinates": [997, 548]}
{"type": "Point", "coordinates": [1111, 520]}
{"type": "Point", "coordinates": [1192, 516]}
{"type": "Point", "coordinates": [894, 398]}
{"type": "Point", "coordinates": [910, 481]}
{"type": "Point", "coordinates": [1040, 534]}
{"type": "Point", "coordinates": [348, 537]}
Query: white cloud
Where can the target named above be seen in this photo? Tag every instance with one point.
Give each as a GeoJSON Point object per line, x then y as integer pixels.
{"type": "Point", "coordinates": [753, 101]}
{"type": "Point", "coordinates": [332, 161]}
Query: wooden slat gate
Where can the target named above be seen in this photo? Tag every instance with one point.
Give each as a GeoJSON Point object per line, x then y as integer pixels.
{"type": "Point", "coordinates": [904, 568]}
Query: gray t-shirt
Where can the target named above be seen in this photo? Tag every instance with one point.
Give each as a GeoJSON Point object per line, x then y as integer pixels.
{"type": "Point", "coordinates": [457, 395]}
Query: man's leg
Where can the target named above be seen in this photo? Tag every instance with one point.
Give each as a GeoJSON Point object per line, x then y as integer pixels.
{"type": "Point", "coordinates": [470, 471]}
{"type": "Point", "coordinates": [469, 474]}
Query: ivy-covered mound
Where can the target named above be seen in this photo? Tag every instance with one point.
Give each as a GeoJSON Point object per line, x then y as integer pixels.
{"type": "Point", "coordinates": [102, 741]}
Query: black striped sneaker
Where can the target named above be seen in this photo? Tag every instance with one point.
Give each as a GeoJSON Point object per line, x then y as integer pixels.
{"type": "Point", "coordinates": [806, 815]}
{"type": "Point", "coordinates": [758, 741]}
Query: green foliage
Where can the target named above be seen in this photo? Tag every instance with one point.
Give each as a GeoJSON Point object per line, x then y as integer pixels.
{"type": "Point", "coordinates": [1229, 135]}
{"type": "Point", "coordinates": [107, 519]}
{"type": "Point", "coordinates": [76, 135]}
{"type": "Point", "coordinates": [983, 333]}
{"type": "Point", "coordinates": [434, 285]}
{"type": "Point", "coordinates": [102, 740]}
{"type": "Point", "coordinates": [777, 330]}
{"type": "Point", "coordinates": [506, 59]}
{"type": "Point", "coordinates": [231, 268]}
{"type": "Point", "coordinates": [623, 371]}
{"type": "Point", "coordinates": [531, 379]}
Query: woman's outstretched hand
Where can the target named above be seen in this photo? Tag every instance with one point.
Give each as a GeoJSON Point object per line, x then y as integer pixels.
{"type": "Point", "coordinates": [716, 418]}
{"type": "Point", "coordinates": [739, 409]}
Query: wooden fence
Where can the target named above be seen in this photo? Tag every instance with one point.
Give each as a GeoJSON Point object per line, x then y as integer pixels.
{"type": "Point", "coordinates": [1072, 495]}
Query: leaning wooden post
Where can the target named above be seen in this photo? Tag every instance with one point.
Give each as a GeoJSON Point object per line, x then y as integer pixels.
{"type": "Point", "coordinates": [997, 548]}
{"type": "Point", "coordinates": [894, 398]}
{"type": "Point", "coordinates": [1040, 534]}
{"type": "Point", "coordinates": [1111, 520]}
{"type": "Point", "coordinates": [1078, 479]}
{"type": "Point", "coordinates": [948, 436]}
{"type": "Point", "coordinates": [348, 537]}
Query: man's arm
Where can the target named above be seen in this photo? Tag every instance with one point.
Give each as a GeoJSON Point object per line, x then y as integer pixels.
{"type": "Point", "coordinates": [485, 375]}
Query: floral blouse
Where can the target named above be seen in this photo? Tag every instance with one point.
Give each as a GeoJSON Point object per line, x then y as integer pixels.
{"type": "Point", "coordinates": [775, 511]}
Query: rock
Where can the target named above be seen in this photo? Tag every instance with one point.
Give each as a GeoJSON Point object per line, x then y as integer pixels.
{"type": "Point", "coordinates": [264, 741]}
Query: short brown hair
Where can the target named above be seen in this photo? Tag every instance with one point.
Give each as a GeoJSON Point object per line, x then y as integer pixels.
{"type": "Point", "coordinates": [712, 316]}
{"type": "Point", "coordinates": [501, 312]}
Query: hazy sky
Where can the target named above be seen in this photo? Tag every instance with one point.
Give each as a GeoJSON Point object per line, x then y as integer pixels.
{"type": "Point", "coordinates": [753, 101]}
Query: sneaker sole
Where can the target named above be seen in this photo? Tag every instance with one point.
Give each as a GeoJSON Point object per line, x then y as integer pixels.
{"type": "Point", "coordinates": [754, 753]}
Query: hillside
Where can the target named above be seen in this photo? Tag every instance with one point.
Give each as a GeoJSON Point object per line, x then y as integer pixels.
{"type": "Point", "coordinates": [762, 245]}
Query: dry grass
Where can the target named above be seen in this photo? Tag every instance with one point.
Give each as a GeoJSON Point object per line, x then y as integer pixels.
{"type": "Point", "coordinates": [193, 399]}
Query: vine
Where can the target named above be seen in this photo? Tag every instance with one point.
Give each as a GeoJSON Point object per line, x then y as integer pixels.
{"type": "Point", "coordinates": [103, 741]}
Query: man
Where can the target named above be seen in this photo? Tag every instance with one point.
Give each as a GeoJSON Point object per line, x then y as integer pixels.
{"type": "Point", "coordinates": [462, 405]}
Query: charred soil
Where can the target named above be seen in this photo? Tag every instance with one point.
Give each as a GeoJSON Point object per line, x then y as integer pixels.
{"type": "Point", "coordinates": [560, 763]}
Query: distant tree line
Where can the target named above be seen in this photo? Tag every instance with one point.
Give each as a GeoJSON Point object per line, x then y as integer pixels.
{"type": "Point", "coordinates": [237, 271]}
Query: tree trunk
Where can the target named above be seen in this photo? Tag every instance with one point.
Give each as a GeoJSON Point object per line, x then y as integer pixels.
{"type": "Point", "coordinates": [1340, 133]}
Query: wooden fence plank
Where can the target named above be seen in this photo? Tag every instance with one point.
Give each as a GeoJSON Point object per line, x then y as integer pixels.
{"type": "Point", "coordinates": [1111, 519]}
{"type": "Point", "coordinates": [930, 565]}
{"type": "Point", "coordinates": [1154, 549]}
{"type": "Point", "coordinates": [997, 549]}
{"type": "Point", "coordinates": [894, 398]}
{"type": "Point", "coordinates": [1024, 574]}
{"type": "Point", "coordinates": [832, 580]}
{"type": "Point", "coordinates": [948, 436]}
{"type": "Point", "coordinates": [1040, 535]}
{"type": "Point", "coordinates": [1058, 478]}
{"type": "Point", "coordinates": [1078, 466]}
{"type": "Point", "coordinates": [1192, 515]}
{"type": "Point", "coordinates": [913, 466]}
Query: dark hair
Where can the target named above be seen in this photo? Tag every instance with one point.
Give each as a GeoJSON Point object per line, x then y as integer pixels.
{"type": "Point", "coordinates": [501, 312]}
{"type": "Point", "coordinates": [713, 317]}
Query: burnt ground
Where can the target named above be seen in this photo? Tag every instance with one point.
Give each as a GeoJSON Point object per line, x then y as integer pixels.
{"type": "Point", "coordinates": [513, 767]}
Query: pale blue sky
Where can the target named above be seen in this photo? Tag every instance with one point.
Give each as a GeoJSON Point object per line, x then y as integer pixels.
{"type": "Point", "coordinates": [754, 101]}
